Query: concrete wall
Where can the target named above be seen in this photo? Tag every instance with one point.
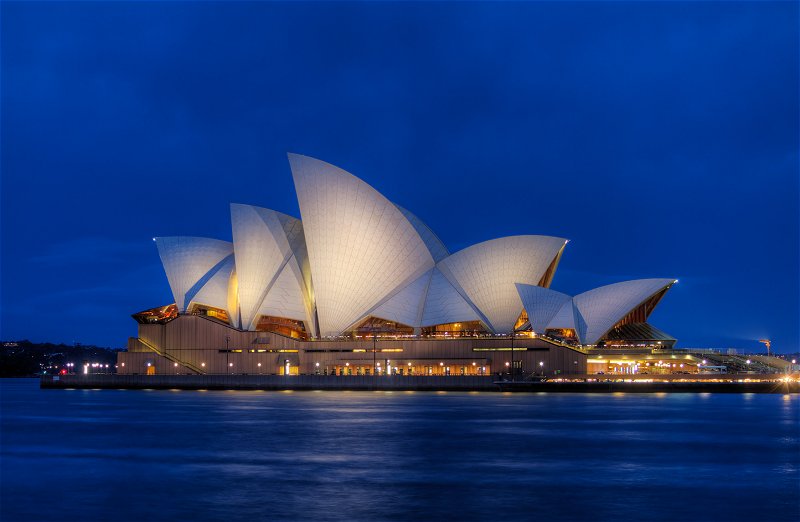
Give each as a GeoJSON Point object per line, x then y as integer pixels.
{"type": "Point", "coordinates": [396, 383]}
{"type": "Point", "coordinates": [270, 382]}
{"type": "Point", "coordinates": [201, 343]}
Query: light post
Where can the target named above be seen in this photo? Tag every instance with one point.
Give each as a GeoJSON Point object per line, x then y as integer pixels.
{"type": "Point", "coordinates": [375, 329]}
{"type": "Point", "coordinates": [512, 354]}
{"type": "Point", "coordinates": [541, 367]}
{"type": "Point", "coordinates": [227, 353]}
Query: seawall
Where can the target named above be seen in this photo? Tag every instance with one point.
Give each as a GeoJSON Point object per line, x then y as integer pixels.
{"type": "Point", "coordinates": [401, 383]}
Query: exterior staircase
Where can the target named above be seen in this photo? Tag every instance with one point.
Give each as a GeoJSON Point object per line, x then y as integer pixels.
{"type": "Point", "coordinates": [171, 357]}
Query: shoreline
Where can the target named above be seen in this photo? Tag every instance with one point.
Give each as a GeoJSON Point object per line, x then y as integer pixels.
{"type": "Point", "coordinates": [406, 383]}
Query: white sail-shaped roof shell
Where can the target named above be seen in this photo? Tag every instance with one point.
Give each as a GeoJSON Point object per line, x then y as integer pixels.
{"type": "Point", "coordinates": [269, 275]}
{"type": "Point", "coordinates": [406, 306]}
{"type": "Point", "coordinates": [485, 274]}
{"type": "Point", "coordinates": [428, 301]}
{"type": "Point", "coordinates": [361, 247]}
{"type": "Point", "coordinates": [564, 318]}
{"type": "Point", "coordinates": [215, 292]}
{"type": "Point", "coordinates": [542, 304]}
{"type": "Point", "coordinates": [285, 297]}
{"type": "Point", "coordinates": [435, 246]}
{"type": "Point", "coordinates": [602, 308]}
{"type": "Point", "coordinates": [443, 303]}
{"type": "Point", "coordinates": [190, 262]}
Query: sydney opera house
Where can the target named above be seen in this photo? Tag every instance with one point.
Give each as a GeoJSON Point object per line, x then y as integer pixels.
{"type": "Point", "coordinates": [361, 286]}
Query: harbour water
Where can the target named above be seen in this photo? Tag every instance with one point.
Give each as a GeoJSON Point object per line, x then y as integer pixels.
{"type": "Point", "coordinates": [248, 455]}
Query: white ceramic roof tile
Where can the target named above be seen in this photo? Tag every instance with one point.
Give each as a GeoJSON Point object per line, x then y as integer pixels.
{"type": "Point", "coordinates": [603, 307]}
{"type": "Point", "coordinates": [285, 298]}
{"type": "Point", "coordinates": [486, 274]}
{"type": "Point", "coordinates": [542, 304]}
{"type": "Point", "coordinates": [189, 262]}
{"type": "Point", "coordinates": [406, 306]}
{"type": "Point", "coordinates": [443, 303]}
{"type": "Point", "coordinates": [435, 246]}
{"type": "Point", "coordinates": [215, 291]}
{"type": "Point", "coordinates": [233, 298]}
{"type": "Point", "coordinates": [300, 265]}
{"type": "Point", "coordinates": [261, 250]}
{"type": "Point", "coordinates": [564, 318]}
{"type": "Point", "coordinates": [361, 248]}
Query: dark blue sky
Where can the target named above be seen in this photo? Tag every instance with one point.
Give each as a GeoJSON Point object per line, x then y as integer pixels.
{"type": "Point", "coordinates": [660, 138]}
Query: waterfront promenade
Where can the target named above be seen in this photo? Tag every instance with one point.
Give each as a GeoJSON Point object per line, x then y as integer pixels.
{"type": "Point", "coordinates": [593, 384]}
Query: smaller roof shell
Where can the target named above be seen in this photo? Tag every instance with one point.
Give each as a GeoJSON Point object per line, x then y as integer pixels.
{"type": "Point", "coordinates": [603, 307]}
{"type": "Point", "coordinates": [486, 274]}
{"type": "Point", "coordinates": [542, 304]}
{"type": "Point", "coordinates": [190, 262]}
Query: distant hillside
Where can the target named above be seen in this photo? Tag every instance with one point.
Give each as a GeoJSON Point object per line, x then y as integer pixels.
{"type": "Point", "coordinates": [25, 359]}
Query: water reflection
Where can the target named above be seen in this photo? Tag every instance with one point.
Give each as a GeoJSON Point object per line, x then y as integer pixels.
{"type": "Point", "coordinates": [160, 455]}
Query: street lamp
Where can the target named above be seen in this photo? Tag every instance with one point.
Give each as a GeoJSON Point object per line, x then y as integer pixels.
{"type": "Point", "coordinates": [512, 354]}
{"type": "Point", "coordinates": [227, 352]}
{"type": "Point", "coordinates": [541, 367]}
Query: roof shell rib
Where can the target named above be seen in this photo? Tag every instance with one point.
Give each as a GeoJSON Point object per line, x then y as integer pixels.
{"type": "Point", "coordinates": [405, 306]}
{"type": "Point", "coordinates": [215, 291]}
{"type": "Point", "coordinates": [485, 274]}
{"type": "Point", "coordinates": [565, 317]}
{"type": "Point", "coordinates": [285, 296]}
{"type": "Point", "coordinates": [435, 246]}
{"type": "Point", "coordinates": [603, 307]}
{"type": "Point", "coordinates": [269, 275]}
{"type": "Point", "coordinates": [190, 262]}
{"type": "Point", "coordinates": [542, 304]}
{"type": "Point", "coordinates": [443, 303]}
{"type": "Point", "coordinates": [361, 247]}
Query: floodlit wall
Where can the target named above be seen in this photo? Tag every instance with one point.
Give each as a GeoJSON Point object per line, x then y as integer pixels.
{"type": "Point", "coordinates": [214, 348]}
